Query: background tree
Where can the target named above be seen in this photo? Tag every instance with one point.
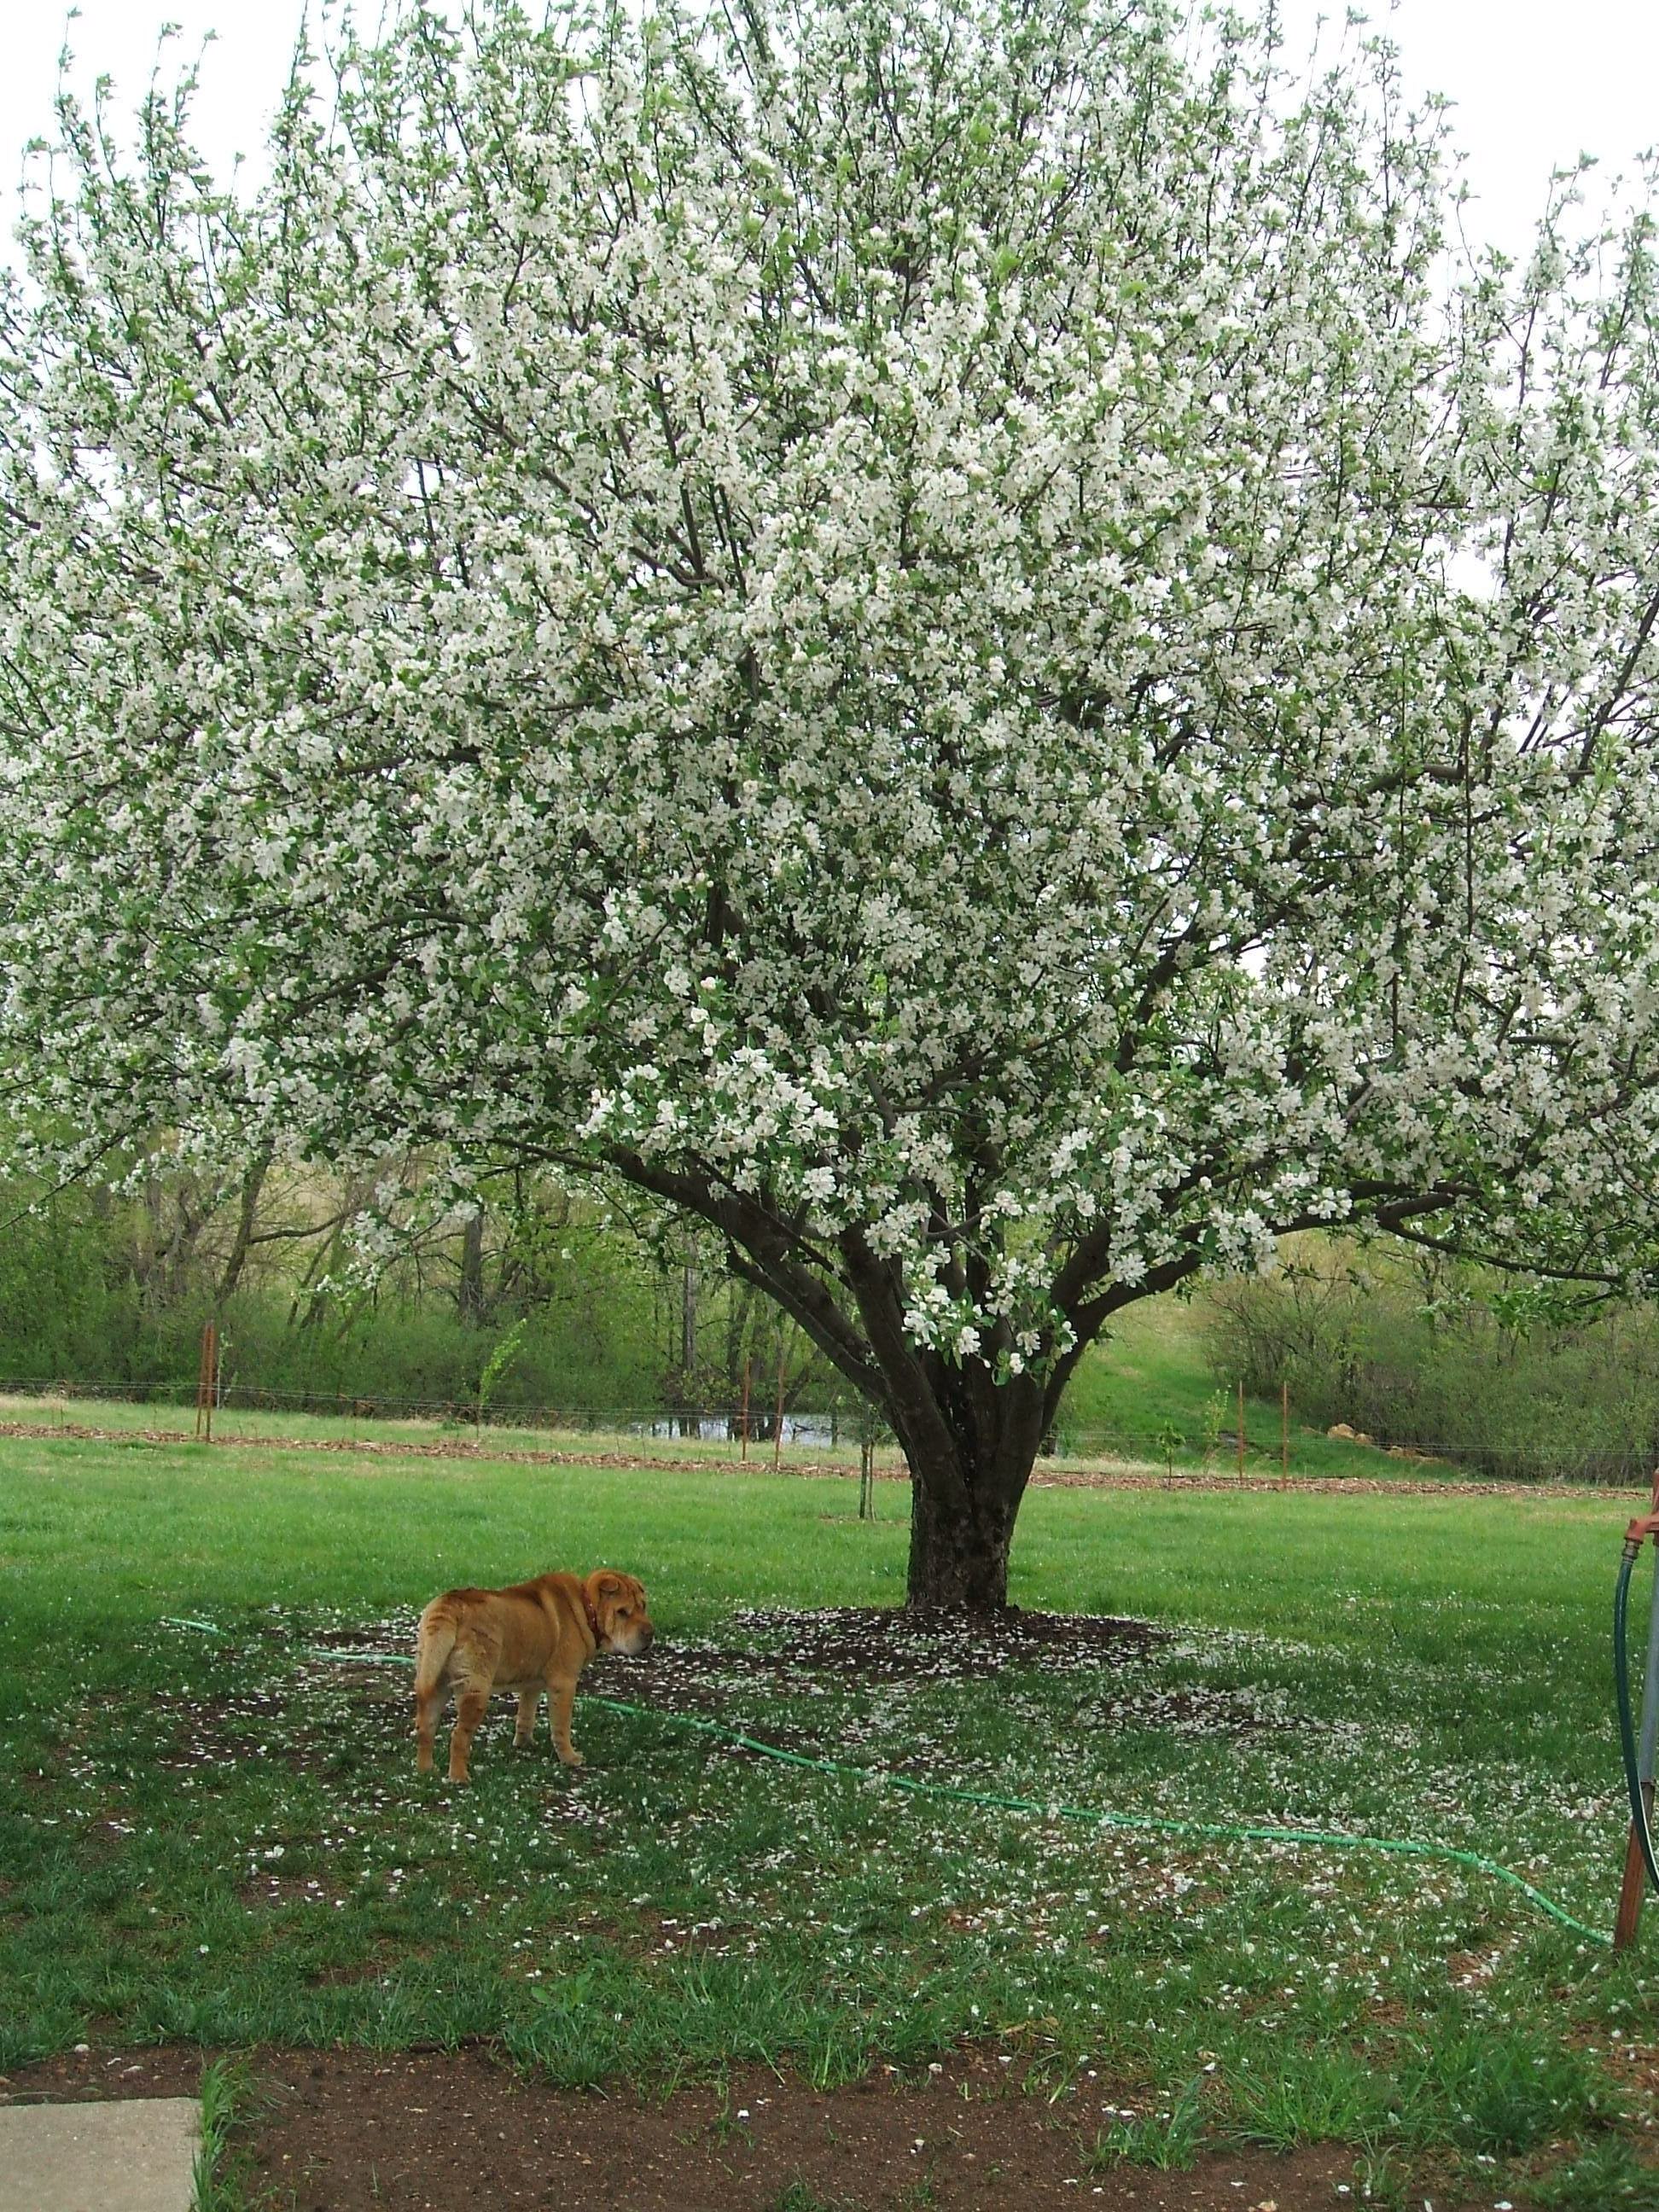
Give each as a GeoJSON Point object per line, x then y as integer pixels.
{"type": "Point", "coordinates": [935, 633]}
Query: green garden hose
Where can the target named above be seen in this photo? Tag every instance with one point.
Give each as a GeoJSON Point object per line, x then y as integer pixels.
{"type": "Point", "coordinates": [1145, 1823]}
{"type": "Point", "coordinates": [1154, 1823]}
{"type": "Point", "coordinates": [1639, 1796]}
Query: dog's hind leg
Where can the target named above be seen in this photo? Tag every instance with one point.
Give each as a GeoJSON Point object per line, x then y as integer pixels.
{"type": "Point", "coordinates": [433, 1645]}
{"type": "Point", "coordinates": [525, 1727]}
{"type": "Point", "coordinates": [429, 1704]}
{"type": "Point", "coordinates": [469, 1709]}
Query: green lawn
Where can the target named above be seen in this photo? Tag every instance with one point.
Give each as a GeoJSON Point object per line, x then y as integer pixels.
{"type": "Point", "coordinates": [224, 1839]}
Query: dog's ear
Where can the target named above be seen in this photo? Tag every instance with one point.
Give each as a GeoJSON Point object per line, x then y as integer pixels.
{"type": "Point", "coordinates": [607, 1585]}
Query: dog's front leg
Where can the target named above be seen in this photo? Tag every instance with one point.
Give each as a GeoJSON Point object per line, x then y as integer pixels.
{"type": "Point", "coordinates": [560, 1698]}
{"type": "Point", "coordinates": [525, 1727]}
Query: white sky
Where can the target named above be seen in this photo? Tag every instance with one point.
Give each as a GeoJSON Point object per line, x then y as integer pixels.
{"type": "Point", "coordinates": [1536, 82]}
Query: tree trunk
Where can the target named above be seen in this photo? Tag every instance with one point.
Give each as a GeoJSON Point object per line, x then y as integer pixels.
{"type": "Point", "coordinates": [470, 1297]}
{"type": "Point", "coordinates": [969, 1429]}
{"type": "Point", "coordinates": [960, 1536]}
{"type": "Point", "coordinates": [688, 1323]}
{"type": "Point", "coordinates": [247, 1214]}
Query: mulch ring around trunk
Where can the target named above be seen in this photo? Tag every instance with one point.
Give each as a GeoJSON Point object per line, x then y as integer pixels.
{"type": "Point", "coordinates": [862, 1646]}
{"type": "Point", "coordinates": [880, 1644]}
{"type": "Point", "coordinates": [856, 1644]}
{"type": "Point", "coordinates": [351, 2130]}
{"type": "Point", "coordinates": [797, 1656]}
{"type": "Point", "coordinates": [796, 1652]}
{"type": "Point", "coordinates": [859, 1646]}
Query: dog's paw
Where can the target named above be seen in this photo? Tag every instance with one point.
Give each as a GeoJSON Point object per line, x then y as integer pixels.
{"type": "Point", "coordinates": [572, 1758]}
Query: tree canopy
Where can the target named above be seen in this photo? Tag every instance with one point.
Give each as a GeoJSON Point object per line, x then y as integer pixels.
{"type": "Point", "coordinates": [947, 633]}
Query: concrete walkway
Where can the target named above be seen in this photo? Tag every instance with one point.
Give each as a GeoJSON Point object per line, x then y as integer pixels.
{"type": "Point", "coordinates": [138, 2156]}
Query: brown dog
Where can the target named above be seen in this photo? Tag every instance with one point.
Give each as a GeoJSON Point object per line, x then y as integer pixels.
{"type": "Point", "coordinates": [530, 1636]}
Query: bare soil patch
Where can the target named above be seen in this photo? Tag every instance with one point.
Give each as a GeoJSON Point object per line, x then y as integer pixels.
{"type": "Point", "coordinates": [411, 2131]}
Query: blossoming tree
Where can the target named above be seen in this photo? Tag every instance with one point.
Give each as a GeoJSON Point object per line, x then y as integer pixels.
{"type": "Point", "coordinates": [939, 633]}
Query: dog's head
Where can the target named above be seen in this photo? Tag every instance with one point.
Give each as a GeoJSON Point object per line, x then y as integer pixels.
{"type": "Point", "coordinates": [618, 1604]}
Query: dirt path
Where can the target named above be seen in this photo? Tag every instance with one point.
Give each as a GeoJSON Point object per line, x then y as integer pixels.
{"type": "Point", "coordinates": [403, 2131]}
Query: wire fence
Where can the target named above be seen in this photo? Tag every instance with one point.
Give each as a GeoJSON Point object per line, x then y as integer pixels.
{"type": "Point", "coordinates": [1269, 1445]}
{"type": "Point", "coordinates": [235, 1405]}
{"type": "Point", "coordinates": [366, 1405]}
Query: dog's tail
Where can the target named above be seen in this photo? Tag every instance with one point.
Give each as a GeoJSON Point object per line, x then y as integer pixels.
{"type": "Point", "coordinates": [434, 1640]}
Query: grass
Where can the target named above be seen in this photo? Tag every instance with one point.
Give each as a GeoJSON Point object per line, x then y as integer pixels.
{"type": "Point", "coordinates": [224, 1840]}
{"type": "Point", "coordinates": [1167, 2141]}
{"type": "Point", "coordinates": [1606, 2176]}
{"type": "Point", "coordinates": [219, 2181]}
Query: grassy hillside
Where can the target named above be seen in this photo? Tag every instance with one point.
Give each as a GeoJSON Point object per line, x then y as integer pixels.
{"type": "Point", "coordinates": [1147, 1392]}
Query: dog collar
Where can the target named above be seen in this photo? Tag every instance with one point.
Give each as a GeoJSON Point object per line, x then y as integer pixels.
{"type": "Point", "coordinates": [592, 1621]}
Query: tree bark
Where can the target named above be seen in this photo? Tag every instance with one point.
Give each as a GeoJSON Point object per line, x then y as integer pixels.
{"type": "Point", "coordinates": [247, 1213]}
{"type": "Point", "coordinates": [970, 1465]}
{"type": "Point", "coordinates": [469, 1295]}
{"type": "Point", "coordinates": [961, 1534]}
{"type": "Point", "coordinates": [688, 1323]}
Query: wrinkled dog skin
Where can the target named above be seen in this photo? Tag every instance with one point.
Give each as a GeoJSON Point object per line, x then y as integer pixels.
{"type": "Point", "coordinates": [529, 1637]}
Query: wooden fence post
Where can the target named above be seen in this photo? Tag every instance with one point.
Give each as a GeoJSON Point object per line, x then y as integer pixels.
{"type": "Point", "coordinates": [1632, 1889]}
{"type": "Point", "coordinates": [1284, 1433]}
{"type": "Point", "coordinates": [207, 1385]}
